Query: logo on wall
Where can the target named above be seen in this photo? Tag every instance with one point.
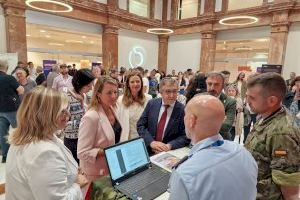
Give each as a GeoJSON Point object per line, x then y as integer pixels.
{"type": "Point", "coordinates": [136, 57]}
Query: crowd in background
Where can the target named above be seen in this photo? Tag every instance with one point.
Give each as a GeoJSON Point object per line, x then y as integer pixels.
{"type": "Point", "coordinates": [107, 107]}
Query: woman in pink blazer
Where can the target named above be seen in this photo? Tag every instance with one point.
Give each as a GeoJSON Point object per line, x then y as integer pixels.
{"type": "Point", "coordinates": [99, 128]}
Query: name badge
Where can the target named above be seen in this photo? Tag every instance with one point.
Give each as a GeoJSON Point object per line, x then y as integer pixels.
{"type": "Point", "coordinates": [65, 89]}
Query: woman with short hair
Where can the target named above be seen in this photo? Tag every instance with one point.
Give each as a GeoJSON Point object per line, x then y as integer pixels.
{"type": "Point", "coordinates": [132, 104]}
{"type": "Point", "coordinates": [24, 81]}
{"type": "Point", "coordinates": [38, 165]}
{"type": "Point", "coordinates": [82, 83]}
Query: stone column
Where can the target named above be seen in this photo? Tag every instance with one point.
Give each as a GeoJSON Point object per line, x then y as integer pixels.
{"type": "Point", "coordinates": [209, 6]}
{"type": "Point", "coordinates": [152, 9]}
{"type": "Point", "coordinates": [14, 12]}
{"type": "Point", "coordinates": [165, 11]}
{"type": "Point", "coordinates": [208, 47]}
{"type": "Point", "coordinates": [174, 9]}
{"type": "Point", "coordinates": [278, 38]}
{"type": "Point", "coordinates": [163, 53]}
{"type": "Point", "coordinates": [110, 47]}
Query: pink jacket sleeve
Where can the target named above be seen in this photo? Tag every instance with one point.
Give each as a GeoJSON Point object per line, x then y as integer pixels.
{"type": "Point", "coordinates": [86, 149]}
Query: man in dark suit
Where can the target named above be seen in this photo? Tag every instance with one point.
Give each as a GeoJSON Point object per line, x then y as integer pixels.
{"type": "Point", "coordinates": [215, 86]}
{"type": "Point", "coordinates": [162, 122]}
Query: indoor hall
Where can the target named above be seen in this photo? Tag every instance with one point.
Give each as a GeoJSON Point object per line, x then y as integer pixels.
{"type": "Point", "coordinates": [173, 50]}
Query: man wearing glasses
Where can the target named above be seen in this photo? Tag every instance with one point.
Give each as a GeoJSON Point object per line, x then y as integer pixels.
{"type": "Point", "coordinates": [161, 124]}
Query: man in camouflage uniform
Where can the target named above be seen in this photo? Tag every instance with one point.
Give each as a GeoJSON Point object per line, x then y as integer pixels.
{"type": "Point", "coordinates": [274, 141]}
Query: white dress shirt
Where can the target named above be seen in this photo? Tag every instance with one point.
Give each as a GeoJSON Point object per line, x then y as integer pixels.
{"type": "Point", "coordinates": [169, 113]}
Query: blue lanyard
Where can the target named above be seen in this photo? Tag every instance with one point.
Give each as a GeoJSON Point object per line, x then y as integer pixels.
{"type": "Point", "coordinates": [215, 144]}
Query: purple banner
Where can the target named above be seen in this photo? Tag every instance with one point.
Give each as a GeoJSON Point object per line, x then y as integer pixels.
{"type": "Point", "coordinates": [47, 64]}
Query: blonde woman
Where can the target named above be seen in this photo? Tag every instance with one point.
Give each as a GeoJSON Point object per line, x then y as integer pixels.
{"type": "Point", "coordinates": [38, 165]}
{"type": "Point", "coordinates": [132, 104]}
{"type": "Point", "coordinates": [238, 124]}
{"type": "Point", "coordinates": [99, 128]}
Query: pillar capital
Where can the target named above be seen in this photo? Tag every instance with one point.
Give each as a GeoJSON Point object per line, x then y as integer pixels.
{"type": "Point", "coordinates": [110, 29]}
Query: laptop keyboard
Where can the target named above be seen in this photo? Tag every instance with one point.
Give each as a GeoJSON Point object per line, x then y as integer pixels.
{"type": "Point", "coordinates": [143, 179]}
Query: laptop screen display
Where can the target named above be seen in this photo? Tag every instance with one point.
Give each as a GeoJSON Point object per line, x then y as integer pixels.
{"type": "Point", "coordinates": [125, 158]}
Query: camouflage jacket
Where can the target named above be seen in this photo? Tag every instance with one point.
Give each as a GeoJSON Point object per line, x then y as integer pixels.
{"type": "Point", "coordinates": [275, 145]}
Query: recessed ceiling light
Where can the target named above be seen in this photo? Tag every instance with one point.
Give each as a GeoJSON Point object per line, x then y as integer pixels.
{"type": "Point", "coordinates": [67, 7]}
{"type": "Point", "coordinates": [55, 44]}
{"type": "Point", "coordinates": [92, 42]}
{"type": "Point", "coordinates": [42, 31]}
{"type": "Point", "coordinates": [262, 40]}
{"type": "Point", "coordinates": [28, 35]}
{"type": "Point", "coordinates": [243, 48]}
{"type": "Point", "coordinates": [74, 41]}
{"type": "Point", "coordinates": [47, 36]}
{"type": "Point", "coordinates": [83, 36]}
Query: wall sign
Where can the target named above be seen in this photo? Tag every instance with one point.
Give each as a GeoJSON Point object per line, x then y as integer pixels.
{"type": "Point", "coordinates": [136, 57]}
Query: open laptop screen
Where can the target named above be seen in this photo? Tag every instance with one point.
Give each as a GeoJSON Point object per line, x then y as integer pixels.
{"type": "Point", "coordinates": [126, 157]}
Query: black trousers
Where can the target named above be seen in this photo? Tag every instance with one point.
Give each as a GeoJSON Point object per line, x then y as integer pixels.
{"type": "Point", "coordinates": [71, 144]}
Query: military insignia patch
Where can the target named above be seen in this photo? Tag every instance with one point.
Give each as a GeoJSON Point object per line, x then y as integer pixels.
{"type": "Point", "coordinates": [280, 153]}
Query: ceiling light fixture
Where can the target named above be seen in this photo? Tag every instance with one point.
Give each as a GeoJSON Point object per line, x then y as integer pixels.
{"type": "Point", "coordinates": [160, 31]}
{"type": "Point", "coordinates": [47, 36]}
{"type": "Point", "coordinates": [42, 31]}
{"type": "Point", "coordinates": [55, 44]}
{"type": "Point", "coordinates": [244, 48]}
{"type": "Point", "coordinates": [83, 36]}
{"type": "Point", "coordinates": [74, 41]}
{"type": "Point", "coordinates": [238, 20]}
{"type": "Point", "coordinates": [28, 35]}
{"type": "Point", "coordinates": [67, 8]}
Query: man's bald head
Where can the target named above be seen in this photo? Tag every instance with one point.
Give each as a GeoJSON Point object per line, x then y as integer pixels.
{"type": "Point", "coordinates": [204, 116]}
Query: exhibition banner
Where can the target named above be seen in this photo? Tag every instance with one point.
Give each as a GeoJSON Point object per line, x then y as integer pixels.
{"type": "Point", "coordinates": [47, 65]}
{"type": "Point", "coordinates": [271, 68]}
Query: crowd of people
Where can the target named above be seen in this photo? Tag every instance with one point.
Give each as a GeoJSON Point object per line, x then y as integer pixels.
{"type": "Point", "coordinates": [63, 121]}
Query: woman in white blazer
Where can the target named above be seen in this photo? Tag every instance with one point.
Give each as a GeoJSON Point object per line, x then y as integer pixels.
{"type": "Point", "coordinates": [131, 105]}
{"type": "Point", "coordinates": [99, 128]}
{"type": "Point", "coordinates": [38, 165]}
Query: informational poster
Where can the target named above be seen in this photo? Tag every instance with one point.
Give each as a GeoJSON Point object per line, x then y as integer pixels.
{"type": "Point", "coordinates": [244, 69]}
{"type": "Point", "coordinates": [11, 59]}
{"type": "Point", "coordinates": [47, 65]}
{"type": "Point", "coordinates": [271, 68]}
{"type": "Point", "coordinates": [96, 64]}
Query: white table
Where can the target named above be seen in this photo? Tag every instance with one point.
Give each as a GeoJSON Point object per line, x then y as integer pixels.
{"type": "Point", "coordinates": [180, 153]}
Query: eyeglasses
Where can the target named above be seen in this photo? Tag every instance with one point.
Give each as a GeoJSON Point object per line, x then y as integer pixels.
{"type": "Point", "coordinates": [170, 91]}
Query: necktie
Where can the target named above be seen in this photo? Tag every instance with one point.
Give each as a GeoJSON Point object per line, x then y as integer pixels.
{"type": "Point", "coordinates": [161, 124]}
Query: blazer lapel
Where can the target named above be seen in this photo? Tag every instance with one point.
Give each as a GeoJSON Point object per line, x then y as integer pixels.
{"type": "Point", "coordinates": [67, 153]}
{"type": "Point", "coordinates": [155, 112]}
{"type": "Point", "coordinates": [171, 120]}
{"type": "Point", "coordinates": [106, 126]}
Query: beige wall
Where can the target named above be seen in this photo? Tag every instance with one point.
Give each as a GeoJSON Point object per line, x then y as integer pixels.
{"type": "Point", "coordinates": [2, 32]}
{"type": "Point", "coordinates": [238, 4]}
{"type": "Point", "coordinates": [147, 44]}
{"type": "Point", "coordinates": [292, 57]}
{"type": "Point", "coordinates": [184, 52]}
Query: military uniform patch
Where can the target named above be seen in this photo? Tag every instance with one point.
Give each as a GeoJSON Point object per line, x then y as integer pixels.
{"type": "Point", "coordinates": [280, 153]}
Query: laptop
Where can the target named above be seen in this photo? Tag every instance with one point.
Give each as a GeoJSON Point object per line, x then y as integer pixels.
{"type": "Point", "coordinates": [132, 173]}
